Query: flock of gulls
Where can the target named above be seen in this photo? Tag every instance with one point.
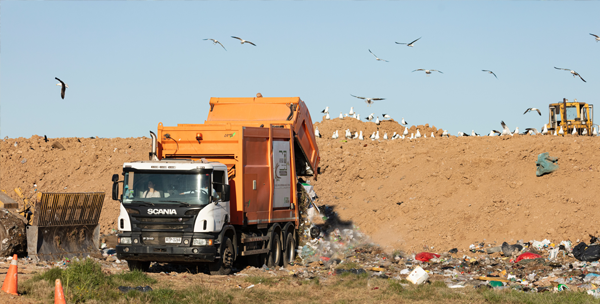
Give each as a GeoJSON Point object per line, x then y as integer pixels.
{"type": "Point", "coordinates": [405, 135]}
{"type": "Point", "coordinates": [369, 101]}
{"type": "Point", "coordinates": [376, 136]}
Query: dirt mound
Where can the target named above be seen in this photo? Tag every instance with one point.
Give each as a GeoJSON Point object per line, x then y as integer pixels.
{"type": "Point", "coordinates": [452, 192]}
{"type": "Point", "coordinates": [69, 165]}
{"type": "Point", "coordinates": [405, 194]}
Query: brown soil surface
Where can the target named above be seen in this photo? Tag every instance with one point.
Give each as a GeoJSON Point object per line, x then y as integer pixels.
{"type": "Point", "coordinates": [445, 193]}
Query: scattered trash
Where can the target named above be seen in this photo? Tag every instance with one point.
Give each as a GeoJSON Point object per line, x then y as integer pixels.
{"type": "Point", "coordinates": [527, 256]}
{"type": "Point", "coordinates": [426, 256]}
{"type": "Point", "coordinates": [418, 276]}
{"type": "Point", "coordinates": [545, 164]}
{"type": "Point", "coordinates": [583, 252]}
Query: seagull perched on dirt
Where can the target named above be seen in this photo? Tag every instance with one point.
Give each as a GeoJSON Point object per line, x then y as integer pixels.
{"type": "Point", "coordinates": [445, 133]}
{"type": "Point", "coordinates": [575, 74]}
{"type": "Point", "coordinates": [63, 88]}
{"type": "Point", "coordinates": [404, 121]}
{"type": "Point", "coordinates": [533, 130]}
{"type": "Point", "coordinates": [335, 135]}
{"type": "Point", "coordinates": [490, 72]}
{"type": "Point", "coordinates": [386, 116]}
{"type": "Point", "coordinates": [370, 117]}
{"type": "Point", "coordinates": [505, 129]}
{"type": "Point", "coordinates": [215, 41]}
{"type": "Point", "coordinates": [317, 133]}
{"type": "Point", "coordinates": [377, 58]}
{"type": "Point", "coordinates": [405, 131]}
{"type": "Point", "coordinates": [594, 131]}
{"type": "Point", "coordinates": [473, 133]}
{"type": "Point", "coordinates": [597, 37]}
{"type": "Point", "coordinates": [561, 132]}
{"type": "Point", "coordinates": [242, 40]}
{"type": "Point", "coordinates": [427, 71]}
{"type": "Point", "coordinates": [327, 116]}
{"type": "Point", "coordinates": [411, 44]}
{"type": "Point", "coordinates": [360, 137]}
{"type": "Point", "coordinates": [351, 111]}
{"type": "Point", "coordinates": [584, 132]}
{"type": "Point", "coordinates": [377, 120]}
{"type": "Point", "coordinates": [533, 109]}
{"type": "Point", "coordinates": [368, 100]}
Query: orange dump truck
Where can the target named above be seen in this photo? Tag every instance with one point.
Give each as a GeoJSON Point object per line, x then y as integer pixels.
{"type": "Point", "coordinates": [220, 191]}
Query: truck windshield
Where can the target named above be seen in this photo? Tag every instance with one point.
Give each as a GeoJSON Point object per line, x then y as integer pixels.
{"type": "Point", "coordinates": [166, 188]}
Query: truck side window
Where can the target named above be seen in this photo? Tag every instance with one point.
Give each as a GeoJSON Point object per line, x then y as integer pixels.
{"type": "Point", "coordinates": [218, 181]}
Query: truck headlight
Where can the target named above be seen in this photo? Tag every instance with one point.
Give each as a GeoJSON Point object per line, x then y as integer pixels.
{"type": "Point", "coordinates": [202, 242]}
{"type": "Point", "coordinates": [125, 240]}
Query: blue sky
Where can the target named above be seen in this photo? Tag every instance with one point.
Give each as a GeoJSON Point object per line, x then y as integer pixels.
{"type": "Point", "coordinates": [130, 65]}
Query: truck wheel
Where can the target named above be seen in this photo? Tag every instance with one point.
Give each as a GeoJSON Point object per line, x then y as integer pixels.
{"type": "Point", "coordinates": [290, 250]}
{"type": "Point", "coordinates": [223, 265]}
{"type": "Point", "coordinates": [275, 252]}
{"type": "Point", "coordinates": [138, 265]}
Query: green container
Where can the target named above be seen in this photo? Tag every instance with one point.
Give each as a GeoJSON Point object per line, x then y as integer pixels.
{"type": "Point", "coordinates": [496, 284]}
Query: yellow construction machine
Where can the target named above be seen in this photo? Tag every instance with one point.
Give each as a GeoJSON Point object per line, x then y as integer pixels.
{"type": "Point", "coordinates": [54, 226]}
{"type": "Point", "coordinates": [570, 116]}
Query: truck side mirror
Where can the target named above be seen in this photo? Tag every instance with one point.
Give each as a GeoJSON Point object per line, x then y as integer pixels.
{"type": "Point", "coordinates": [115, 178]}
{"type": "Point", "coordinates": [225, 193]}
{"type": "Point", "coordinates": [115, 191]}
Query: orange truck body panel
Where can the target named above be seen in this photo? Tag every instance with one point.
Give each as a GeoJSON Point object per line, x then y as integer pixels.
{"type": "Point", "coordinates": [242, 133]}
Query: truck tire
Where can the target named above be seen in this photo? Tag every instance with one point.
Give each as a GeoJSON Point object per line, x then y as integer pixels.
{"type": "Point", "coordinates": [223, 265]}
{"type": "Point", "coordinates": [275, 252]}
{"type": "Point", "coordinates": [138, 265]}
{"type": "Point", "coordinates": [290, 250]}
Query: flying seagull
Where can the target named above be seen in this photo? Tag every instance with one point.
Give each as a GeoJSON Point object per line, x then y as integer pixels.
{"type": "Point", "coordinates": [63, 87]}
{"type": "Point", "coordinates": [377, 58]}
{"type": "Point", "coordinates": [215, 41]}
{"type": "Point", "coordinates": [572, 72]}
{"type": "Point", "coordinates": [326, 110]}
{"type": "Point", "coordinates": [411, 44]}
{"type": "Point", "coordinates": [368, 100]}
{"type": "Point", "coordinates": [597, 38]}
{"type": "Point", "coordinates": [242, 40]}
{"type": "Point", "coordinates": [427, 71]}
{"type": "Point", "coordinates": [490, 72]}
{"type": "Point", "coordinates": [533, 109]}
{"type": "Point", "coordinates": [534, 130]}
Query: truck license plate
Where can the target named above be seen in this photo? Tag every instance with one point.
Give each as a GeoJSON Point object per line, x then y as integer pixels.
{"type": "Point", "coordinates": [172, 240]}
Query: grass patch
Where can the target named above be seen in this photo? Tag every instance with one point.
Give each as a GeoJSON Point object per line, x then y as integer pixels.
{"type": "Point", "coordinates": [83, 281]}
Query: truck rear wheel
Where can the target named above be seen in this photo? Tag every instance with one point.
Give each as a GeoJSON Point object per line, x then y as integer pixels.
{"type": "Point", "coordinates": [138, 265]}
{"type": "Point", "coordinates": [275, 252]}
{"type": "Point", "coordinates": [290, 250]}
{"type": "Point", "coordinates": [224, 264]}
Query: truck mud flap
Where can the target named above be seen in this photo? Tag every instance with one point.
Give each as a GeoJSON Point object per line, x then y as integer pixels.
{"type": "Point", "coordinates": [65, 225]}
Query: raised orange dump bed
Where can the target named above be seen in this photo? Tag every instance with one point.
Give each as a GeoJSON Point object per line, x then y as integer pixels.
{"type": "Point", "coordinates": [266, 144]}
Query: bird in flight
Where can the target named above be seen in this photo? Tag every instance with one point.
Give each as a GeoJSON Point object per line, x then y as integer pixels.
{"type": "Point", "coordinates": [377, 58]}
{"type": "Point", "coordinates": [368, 100]}
{"type": "Point", "coordinates": [427, 71]}
{"type": "Point", "coordinates": [490, 72]}
{"type": "Point", "coordinates": [215, 41]}
{"type": "Point", "coordinates": [411, 44]}
{"type": "Point", "coordinates": [533, 109]}
{"type": "Point", "coordinates": [575, 74]}
{"type": "Point", "coordinates": [242, 40]}
{"type": "Point", "coordinates": [63, 87]}
{"type": "Point", "coordinates": [597, 37]}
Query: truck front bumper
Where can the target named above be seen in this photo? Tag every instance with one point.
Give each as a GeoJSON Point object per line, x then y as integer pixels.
{"type": "Point", "coordinates": [167, 254]}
